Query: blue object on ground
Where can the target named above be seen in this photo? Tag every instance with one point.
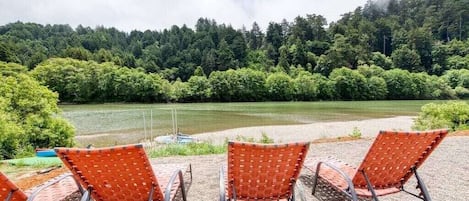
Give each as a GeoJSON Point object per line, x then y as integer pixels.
{"type": "Point", "coordinates": [46, 153]}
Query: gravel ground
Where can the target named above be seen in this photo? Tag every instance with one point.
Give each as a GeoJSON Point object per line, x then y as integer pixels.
{"type": "Point", "coordinates": [446, 171]}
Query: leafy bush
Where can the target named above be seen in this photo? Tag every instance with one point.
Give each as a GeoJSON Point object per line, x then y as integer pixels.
{"type": "Point", "coordinates": [356, 133]}
{"type": "Point", "coordinates": [265, 139]}
{"type": "Point", "coordinates": [279, 87]}
{"type": "Point", "coordinates": [28, 117]}
{"type": "Point", "coordinates": [462, 92]}
{"type": "Point", "coordinates": [453, 115]}
{"type": "Point", "coordinates": [349, 84]}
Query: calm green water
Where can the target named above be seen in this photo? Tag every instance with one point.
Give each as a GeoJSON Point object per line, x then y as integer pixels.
{"type": "Point", "coordinates": [156, 119]}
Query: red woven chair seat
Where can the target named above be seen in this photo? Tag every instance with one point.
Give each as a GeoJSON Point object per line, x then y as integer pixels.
{"type": "Point", "coordinates": [390, 162]}
{"type": "Point", "coordinates": [263, 172]}
{"type": "Point", "coordinates": [119, 173]}
{"type": "Point", "coordinates": [335, 179]}
{"type": "Point", "coordinates": [55, 189]}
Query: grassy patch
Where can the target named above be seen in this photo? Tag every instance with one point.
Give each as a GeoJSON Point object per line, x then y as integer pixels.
{"type": "Point", "coordinates": [34, 162]}
{"type": "Point", "coordinates": [203, 148]}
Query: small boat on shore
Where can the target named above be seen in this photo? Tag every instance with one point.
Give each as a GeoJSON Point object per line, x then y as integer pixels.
{"type": "Point", "coordinates": [178, 138]}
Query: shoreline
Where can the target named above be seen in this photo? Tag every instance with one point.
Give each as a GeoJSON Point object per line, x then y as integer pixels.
{"type": "Point", "coordinates": [309, 132]}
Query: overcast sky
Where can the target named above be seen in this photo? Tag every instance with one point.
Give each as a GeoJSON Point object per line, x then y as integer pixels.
{"type": "Point", "coordinates": [128, 15]}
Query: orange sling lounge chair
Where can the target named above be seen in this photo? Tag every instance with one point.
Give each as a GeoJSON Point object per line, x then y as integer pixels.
{"type": "Point", "coordinates": [262, 172]}
{"type": "Point", "coordinates": [57, 188]}
{"type": "Point", "coordinates": [123, 173]}
{"type": "Point", "coordinates": [392, 159]}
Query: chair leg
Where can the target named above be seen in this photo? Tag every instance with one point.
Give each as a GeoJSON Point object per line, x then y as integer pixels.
{"type": "Point", "coordinates": [152, 190]}
{"type": "Point", "coordinates": [351, 188]}
{"type": "Point", "coordinates": [87, 195]}
{"type": "Point", "coordinates": [421, 186]}
{"type": "Point", "coordinates": [315, 179]}
{"type": "Point", "coordinates": [293, 191]}
{"type": "Point", "coordinates": [167, 192]}
{"type": "Point", "coordinates": [234, 192]}
{"type": "Point", "coordinates": [370, 186]}
{"type": "Point", "coordinates": [10, 195]}
{"type": "Point", "coordinates": [183, 188]}
{"type": "Point", "coordinates": [222, 184]}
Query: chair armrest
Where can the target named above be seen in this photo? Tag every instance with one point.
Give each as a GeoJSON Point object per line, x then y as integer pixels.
{"type": "Point", "coordinates": [338, 170]}
{"type": "Point", "coordinates": [222, 184]}
{"type": "Point", "coordinates": [167, 192]}
{"type": "Point", "coordinates": [37, 191]}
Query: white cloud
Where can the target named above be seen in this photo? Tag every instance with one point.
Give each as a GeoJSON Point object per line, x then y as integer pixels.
{"type": "Point", "coordinates": [159, 14]}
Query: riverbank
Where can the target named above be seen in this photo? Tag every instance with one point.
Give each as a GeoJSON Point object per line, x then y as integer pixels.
{"type": "Point", "coordinates": [309, 132]}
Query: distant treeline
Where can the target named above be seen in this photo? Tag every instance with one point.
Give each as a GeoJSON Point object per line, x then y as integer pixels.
{"type": "Point", "coordinates": [409, 38]}
{"type": "Point", "coordinates": [87, 81]}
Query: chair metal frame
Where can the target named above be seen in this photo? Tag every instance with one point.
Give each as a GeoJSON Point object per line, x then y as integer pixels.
{"type": "Point", "coordinates": [350, 190]}
{"type": "Point", "coordinates": [14, 189]}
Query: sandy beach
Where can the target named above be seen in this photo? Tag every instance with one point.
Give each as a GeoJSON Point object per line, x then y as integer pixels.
{"type": "Point", "coordinates": [309, 132]}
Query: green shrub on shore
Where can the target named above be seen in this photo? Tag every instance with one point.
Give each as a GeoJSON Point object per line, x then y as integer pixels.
{"type": "Point", "coordinates": [202, 148]}
{"type": "Point", "coordinates": [356, 133]}
{"type": "Point", "coordinates": [453, 115]}
{"type": "Point", "coordinates": [28, 115]}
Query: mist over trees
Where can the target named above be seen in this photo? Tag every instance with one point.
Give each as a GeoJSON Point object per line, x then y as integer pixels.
{"type": "Point", "coordinates": [395, 49]}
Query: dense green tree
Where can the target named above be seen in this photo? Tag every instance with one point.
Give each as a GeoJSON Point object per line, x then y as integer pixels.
{"type": "Point", "coordinates": [370, 71]}
{"type": "Point", "coordinates": [11, 69]}
{"type": "Point", "coordinates": [458, 62]}
{"type": "Point", "coordinates": [7, 52]}
{"type": "Point", "coordinates": [259, 60]}
{"type": "Point", "coordinates": [421, 42]}
{"type": "Point", "coordinates": [180, 91]}
{"type": "Point", "coordinates": [279, 87]}
{"type": "Point", "coordinates": [28, 117]}
{"type": "Point", "coordinates": [407, 59]}
{"type": "Point", "coordinates": [457, 78]}
{"type": "Point", "coordinates": [79, 53]}
{"type": "Point", "coordinates": [376, 88]}
{"type": "Point", "coordinates": [250, 85]}
{"type": "Point", "coordinates": [350, 84]}
{"type": "Point", "coordinates": [223, 85]}
{"type": "Point", "coordinates": [306, 88]}
{"type": "Point", "coordinates": [255, 37]}
{"type": "Point", "coordinates": [381, 60]}
{"type": "Point", "coordinates": [225, 57]}
{"type": "Point", "coordinates": [199, 89]}
{"type": "Point", "coordinates": [400, 84]}
{"type": "Point", "coordinates": [415, 35]}
{"type": "Point", "coordinates": [326, 87]}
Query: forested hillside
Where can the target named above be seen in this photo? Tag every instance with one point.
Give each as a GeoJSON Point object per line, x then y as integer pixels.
{"type": "Point", "coordinates": [427, 39]}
